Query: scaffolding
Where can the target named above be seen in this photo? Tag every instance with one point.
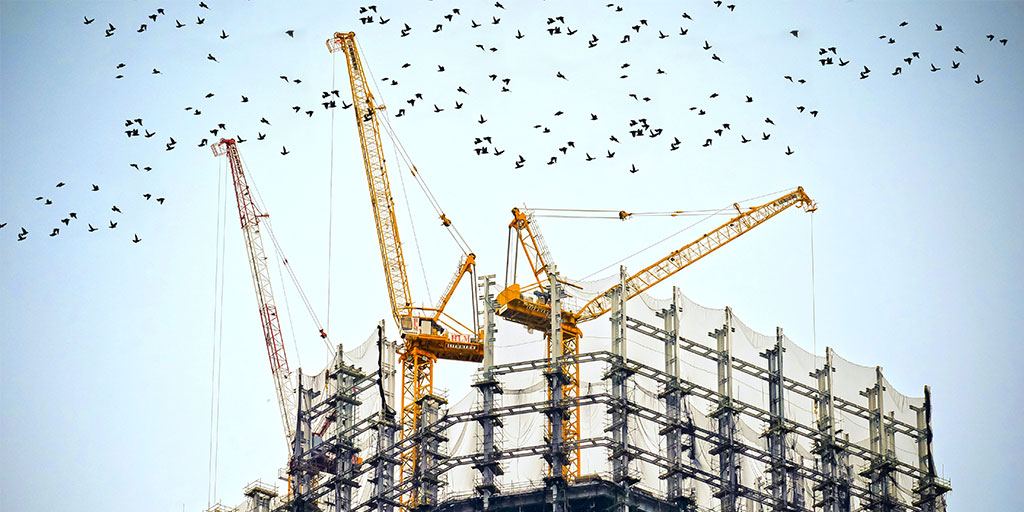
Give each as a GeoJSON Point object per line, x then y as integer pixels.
{"type": "Point", "coordinates": [682, 408]}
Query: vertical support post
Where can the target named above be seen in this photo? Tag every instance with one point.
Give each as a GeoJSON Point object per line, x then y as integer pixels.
{"type": "Point", "coordinates": [300, 477]}
{"type": "Point", "coordinates": [557, 454]}
{"type": "Point", "coordinates": [429, 454]}
{"type": "Point", "coordinates": [619, 374]}
{"type": "Point", "coordinates": [930, 489]}
{"type": "Point", "coordinates": [384, 466]}
{"type": "Point", "coordinates": [785, 493]}
{"type": "Point", "coordinates": [880, 470]}
{"type": "Point", "coordinates": [673, 395]}
{"type": "Point", "coordinates": [835, 491]}
{"type": "Point", "coordinates": [346, 452]}
{"type": "Point", "coordinates": [488, 386]}
{"type": "Point", "coordinates": [725, 414]}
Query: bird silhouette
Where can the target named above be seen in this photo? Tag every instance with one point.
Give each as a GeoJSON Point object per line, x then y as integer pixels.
{"type": "Point", "coordinates": [160, 200]}
{"type": "Point", "coordinates": [209, 56]}
{"type": "Point", "coordinates": [796, 33]}
{"type": "Point", "coordinates": [200, 21]}
{"type": "Point", "coordinates": [956, 64]}
{"type": "Point", "coordinates": [934, 69]}
{"type": "Point", "coordinates": [769, 120]}
{"type": "Point", "coordinates": [765, 136]}
{"type": "Point", "coordinates": [789, 151]}
{"type": "Point", "coordinates": [938, 27]}
{"type": "Point", "coordinates": [115, 209]}
{"type": "Point", "coordinates": [291, 33]}
{"type": "Point", "coordinates": [978, 79]}
{"type": "Point", "coordinates": [260, 136]}
{"type": "Point", "coordinates": [95, 188]}
{"type": "Point", "coordinates": [113, 224]}
{"type": "Point", "coordinates": [136, 239]}
{"type": "Point", "coordinates": [284, 150]}
{"type": "Point", "coordinates": [633, 169]}
{"type": "Point", "coordinates": [178, 24]}
{"type": "Point", "coordinates": [744, 139]}
{"type": "Point", "coordinates": [87, 20]}
{"type": "Point", "coordinates": [223, 34]}
{"type": "Point", "coordinates": [482, 120]}
{"type": "Point", "coordinates": [60, 184]}
{"type": "Point", "coordinates": [55, 232]}
{"type": "Point", "coordinates": [91, 229]}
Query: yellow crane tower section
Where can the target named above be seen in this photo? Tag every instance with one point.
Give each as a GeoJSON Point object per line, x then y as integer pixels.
{"type": "Point", "coordinates": [429, 333]}
{"type": "Point", "coordinates": [514, 306]}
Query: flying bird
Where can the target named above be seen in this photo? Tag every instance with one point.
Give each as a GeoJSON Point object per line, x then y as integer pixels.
{"type": "Point", "coordinates": [284, 150]}
{"type": "Point", "coordinates": [87, 20]}
{"type": "Point", "coordinates": [113, 224]}
{"type": "Point", "coordinates": [115, 209]}
{"type": "Point", "coordinates": [795, 33]}
{"type": "Point", "coordinates": [291, 33]}
{"type": "Point", "coordinates": [789, 151]}
{"type": "Point", "coordinates": [223, 34]}
{"type": "Point", "coordinates": [136, 239]}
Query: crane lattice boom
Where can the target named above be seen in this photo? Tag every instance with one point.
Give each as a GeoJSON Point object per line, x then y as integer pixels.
{"type": "Point", "coordinates": [690, 253]}
{"type": "Point", "coordinates": [250, 216]}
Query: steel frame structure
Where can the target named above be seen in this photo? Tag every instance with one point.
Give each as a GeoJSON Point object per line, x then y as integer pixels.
{"type": "Point", "coordinates": [829, 474]}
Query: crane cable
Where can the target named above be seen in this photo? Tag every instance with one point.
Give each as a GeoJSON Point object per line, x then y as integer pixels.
{"type": "Point", "coordinates": [218, 334]}
{"type": "Point", "coordinates": [404, 155]}
{"type": "Point", "coordinates": [330, 200]}
{"type": "Point", "coordinates": [814, 312]}
{"type": "Point", "coordinates": [258, 200]}
{"type": "Point", "coordinates": [415, 237]}
{"type": "Point", "coordinates": [706, 217]}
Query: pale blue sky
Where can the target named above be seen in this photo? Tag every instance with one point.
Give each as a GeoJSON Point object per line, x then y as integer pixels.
{"type": "Point", "coordinates": [105, 345]}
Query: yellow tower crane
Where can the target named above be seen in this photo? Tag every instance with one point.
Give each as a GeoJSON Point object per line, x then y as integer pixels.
{"type": "Point", "coordinates": [515, 306]}
{"type": "Point", "coordinates": [429, 333]}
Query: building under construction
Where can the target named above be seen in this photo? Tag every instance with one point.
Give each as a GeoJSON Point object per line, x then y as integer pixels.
{"type": "Point", "coordinates": [683, 408]}
{"type": "Point", "coordinates": [674, 407]}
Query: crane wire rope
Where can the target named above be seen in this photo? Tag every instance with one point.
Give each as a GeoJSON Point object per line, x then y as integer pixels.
{"type": "Point", "coordinates": [403, 154]}
{"type": "Point", "coordinates": [330, 199]}
{"type": "Point", "coordinates": [213, 346]}
{"type": "Point", "coordinates": [220, 247]}
{"type": "Point", "coordinates": [412, 224]}
{"type": "Point", "coordinates": [288, 313]}
{"type": "Point", "coordinates": [814, 312]}
{"type": "Point", "coordinates": [282, 258]}
{"type": "Point", "coordinates": [659, 242]}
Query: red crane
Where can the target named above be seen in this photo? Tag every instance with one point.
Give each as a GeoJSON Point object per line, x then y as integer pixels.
{"type": "Point", "coordinates": [250, 215]}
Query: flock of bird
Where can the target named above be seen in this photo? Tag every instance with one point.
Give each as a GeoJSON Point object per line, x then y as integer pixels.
{"type": "Point", "coordinates": [455, 23]}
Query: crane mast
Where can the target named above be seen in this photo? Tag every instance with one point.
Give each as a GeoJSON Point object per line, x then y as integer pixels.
{"type": "Point", "coordinates": [429, 334]}
{"type": "Point", "coordinates": [536, 314]}
{"type": "Point", "coordinates": [250, 216]}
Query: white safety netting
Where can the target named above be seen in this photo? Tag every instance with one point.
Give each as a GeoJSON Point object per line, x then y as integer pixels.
{"type": "Point", "coordinates": [515, 344]}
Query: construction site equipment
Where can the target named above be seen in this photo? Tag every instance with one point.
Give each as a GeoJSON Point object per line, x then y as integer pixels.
{"type": "Point", "coordinates": [251, 215]}
{"type": "Point", "coordinates": [536, 313]}
{"type": "Point", "coordinates": [429, 333]}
